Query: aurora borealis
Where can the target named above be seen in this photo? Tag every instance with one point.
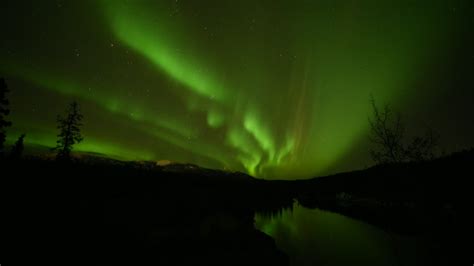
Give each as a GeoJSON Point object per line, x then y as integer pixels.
{"type": "Point", "coordinates": [272, 88]}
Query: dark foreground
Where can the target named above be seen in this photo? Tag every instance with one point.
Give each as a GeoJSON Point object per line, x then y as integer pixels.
{"type": "Point", "coordinates": [128, 214]}
{"type": "Point", "coordinates": [115, 213]}
{"type": "Point", "coordinates": [428, 200]}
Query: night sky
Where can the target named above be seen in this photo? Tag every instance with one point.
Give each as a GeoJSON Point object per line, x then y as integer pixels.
{"type": "Point", "coordinates": [277, 89]}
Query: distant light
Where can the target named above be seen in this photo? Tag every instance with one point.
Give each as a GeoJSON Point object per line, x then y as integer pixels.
{"type": "Point", "coordinates": [163, 162]}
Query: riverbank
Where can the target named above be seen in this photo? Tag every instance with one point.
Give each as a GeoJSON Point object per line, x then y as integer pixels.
{"type": "Point", "coordinates": [129, 214]}
{"type": "Point", "coordinates": [429, 200]}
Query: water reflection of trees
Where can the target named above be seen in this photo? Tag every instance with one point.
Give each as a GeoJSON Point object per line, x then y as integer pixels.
{"type": "Point", "coordinates": [275, 211]}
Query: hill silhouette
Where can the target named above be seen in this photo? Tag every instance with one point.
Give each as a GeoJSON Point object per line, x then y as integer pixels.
{"type": "Point", "coordinates": [103, 211]}
{"type": "Point", "coordinates": [429, 200]}
{"type": "Point", "coordinates": [117, 212]}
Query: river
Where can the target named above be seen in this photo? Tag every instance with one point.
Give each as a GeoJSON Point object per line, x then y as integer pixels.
{"type": "Point", "coordinates": [317, 237]}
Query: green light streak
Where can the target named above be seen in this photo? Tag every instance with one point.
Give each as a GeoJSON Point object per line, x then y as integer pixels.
{"type": "Point", "coordinates": [276, 94]}
{"type": "Point", "coordinates": [158, 47]}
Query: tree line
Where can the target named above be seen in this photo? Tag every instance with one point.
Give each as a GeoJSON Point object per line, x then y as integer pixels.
{"type": "Point", "coordinates": [69, 127]}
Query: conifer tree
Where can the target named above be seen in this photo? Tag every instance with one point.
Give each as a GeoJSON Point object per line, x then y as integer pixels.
{"type": "Point", "coordinates": [4, 111]}
{"type": "Point", "coordinates": [17, 149]}
{"type": "Point", "coordinates": [69, 131]}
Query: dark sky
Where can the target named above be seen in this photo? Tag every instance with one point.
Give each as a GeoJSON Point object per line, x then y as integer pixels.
{"type": "Point", "coordinates": [278, 89]}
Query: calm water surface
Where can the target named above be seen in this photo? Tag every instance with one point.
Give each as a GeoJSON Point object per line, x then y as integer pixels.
{"type": "Point", "coordinates": [316, 237]}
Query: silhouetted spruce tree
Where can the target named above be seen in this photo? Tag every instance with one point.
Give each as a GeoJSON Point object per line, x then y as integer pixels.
{"type": "Point", "coordinates": [388, 139]}
{"type": "Point", "coordinates": [17, 149]}
{"type": "Point", "coordinates": [4, 111]}
{"type": "Point", "coordinates": [69, 131]}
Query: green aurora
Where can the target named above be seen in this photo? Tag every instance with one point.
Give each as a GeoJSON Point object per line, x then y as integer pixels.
{"type": "Point", "coordinates": [272, 88]}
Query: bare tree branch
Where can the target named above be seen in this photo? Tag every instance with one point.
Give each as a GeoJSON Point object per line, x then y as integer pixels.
{"type": "Point", "coordinates": [387, 137]}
